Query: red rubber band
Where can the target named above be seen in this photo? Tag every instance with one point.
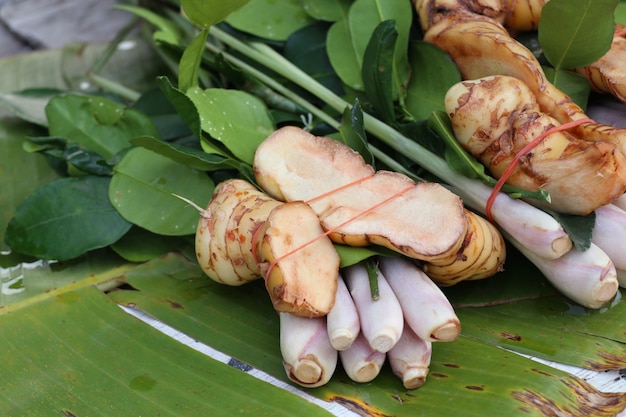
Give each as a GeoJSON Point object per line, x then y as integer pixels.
{"type": "Point", "coordinates": [343, 187]}
{"type": "Point", "coordinates": [507, 172]}
{"type": "Point", "coordinates": [620, 32]}
{"type": "Point", "coordinates": [363, 213]}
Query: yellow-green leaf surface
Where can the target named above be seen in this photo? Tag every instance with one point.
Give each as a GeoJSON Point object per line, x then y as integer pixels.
{"type": "Point", "coordinates": [467, 377]}
{"type": "Point", "coordinates": [77, 354]}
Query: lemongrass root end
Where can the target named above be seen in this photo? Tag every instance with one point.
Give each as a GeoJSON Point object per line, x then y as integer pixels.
{"type": "Point", "coordinates": [604, 292]}
{"type": "Point", "coordinates": [306, 372]}
{"type": "Point", "coordinates": [366, 373]}
{"type": "Point", "coordinates": [561, 246]}
{"type": "Point", "coordinates": [383, 343]}
{"type": "Point", "coordinates": [414, 377]}
{"type": "Point", "coordinates": [341, 339]}
{"type": "Point", "coordinates": [447, 332]}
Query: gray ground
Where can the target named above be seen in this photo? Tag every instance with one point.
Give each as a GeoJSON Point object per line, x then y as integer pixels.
{"type": "Point", "coordinates": [27, 25]}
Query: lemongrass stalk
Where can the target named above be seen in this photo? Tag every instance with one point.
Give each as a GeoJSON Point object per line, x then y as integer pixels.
{"type": "Point", "coordinates": [609, 233]}
{"type": "Point", "coordinates": [342, 320]}
{"type": "Point", "coordinates": [588, 278]}
{"type": "Point", "coordinates": [410, 359]}
{"type": "Point", "coordinates": [621, 277]}
{"type": "Point", "coordinates": [381, 320]}
{"type": "Point", "coordinates": [532, 227]}
{"type": "Point", "coordinates": [426, 309]}
{"type": "Point", "coordinates": [620, 202]}
{"type": "Point", "coordinates": [308, 357]}
{"type": "Point", "coordinates": [361, 362]}
{"type": "Point", "coordinates": [278, 87]}
{"type": "Point", "coordinates": [552, 243]}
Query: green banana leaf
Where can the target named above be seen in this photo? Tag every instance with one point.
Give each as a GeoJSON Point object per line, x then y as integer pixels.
{"type": "Point", "coordinates": [69, 350]}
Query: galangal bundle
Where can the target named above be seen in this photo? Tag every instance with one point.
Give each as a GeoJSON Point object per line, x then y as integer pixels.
{"type": "Point", "coordinates": [316, 192]}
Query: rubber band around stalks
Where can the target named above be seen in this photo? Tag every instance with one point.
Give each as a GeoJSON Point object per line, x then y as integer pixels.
{"type": "Point", "coordinates": [620, 32]}
{"type": "Point", "coordinates": [530, 146]}
{"type": "Point", "coordinates": [329, 231]}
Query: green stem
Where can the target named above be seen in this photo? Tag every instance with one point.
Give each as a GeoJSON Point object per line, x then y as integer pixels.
{"type": "Point", "coordinates": [274, 61]}
{"type": "Point", "coordinates": [276, 86]}
{"type": "Point", "coordinates": [112, 46]}
{"type": "Point", "coordinates": [114, 87]}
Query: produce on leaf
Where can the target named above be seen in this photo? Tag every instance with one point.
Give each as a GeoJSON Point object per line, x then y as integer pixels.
{"type": "Point", "coordinates": [282, 242]}
{"type": "Point", "coordinates": [382, 319]}
{"type": "Point", "coordinates": [308, 357]}
{"type": "Point", "coordinates": [410, 359]}
{"type": "Point", "coordinates": [496, 116]}
{"type": "Point", "coordinates": [425, 307]}
{"type": "Point", "coordinates": [424, 220]}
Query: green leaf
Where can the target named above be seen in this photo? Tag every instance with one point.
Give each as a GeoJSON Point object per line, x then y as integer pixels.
{"type": "Point", "coordinates": [344, 58]}
{"type": "Point", "coordinates": [306, 48]}
{"type": "Point", "coordinates": [377, 70]}
{"type": "Point", "coordinates": [66, 218]}
{"type": "Point", "coordinates": [433, 73]}
{"type": "Point", "coordinates": [205, 13]}
{"type": "Point", "coordinates": [27, 106]}
{"type": "Point", "coordinates": [620, 13]}
{"type": "Point", "coordinates": [348, 39]}
{"type": "Point", "coordinates": [96, 123]}
{"type": "Point", "coordinates": [327, 10]}
{"type": "Point", "coordinates": [578, 228]}
{"type": "Point", "coordinates": [270, 19]}
{"type": "Point", "coordinates": [183, 105]}
{"type": "Point", "coordinates": [189, 65]}
{"type": "Point", "coordinates": [190, 157]}
{"type": "Point", "coordinates": [83, 356]}
{"type": "Point", "coordinates": [167, 30]}
{"type": "Point", "coordinates": [574, 85]}
{"type": "Point", "coordinates": [351, 255]}
{"type": "Point", "coordinates": [352, 132]}
{"type": "Point", "coordinates": [235, 118]}
{"type": "Point", "coordinates": [86, 161]}
{"type": "Point", "coordinates": [140, 245]}
{"type": "Point", "coordinates": [142, 187]}
{"type": "Point", "coordinates": [482, 379]}
{"type": "Point", "coordinates": [22, 172]}
{"type": "Point", "coordinates": [576, 33]}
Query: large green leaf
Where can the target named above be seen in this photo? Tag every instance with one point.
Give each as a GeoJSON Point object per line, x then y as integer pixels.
{"type": "Point", "coordinates": [76, 353]}
{"type": "Point", "coordinates": [239, 321]}
{"type": "Point", "coordinates": [66, 218]}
